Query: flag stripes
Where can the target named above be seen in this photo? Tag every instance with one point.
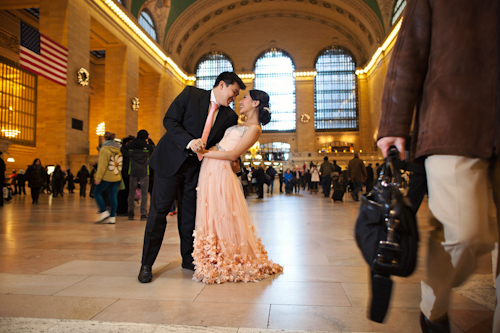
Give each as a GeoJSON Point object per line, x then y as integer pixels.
{"type": "Point", "coordinates": [42, 56]}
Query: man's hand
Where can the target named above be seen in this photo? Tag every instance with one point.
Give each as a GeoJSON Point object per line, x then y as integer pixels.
{"type": "Point", "coordinates": [97, 182]}
{"type": "Point", "coordinates": [236, 166]}
{"type": "Point", "coordinates": [197, 145]}
{"type": "Point", "coordinates": [385, 143]}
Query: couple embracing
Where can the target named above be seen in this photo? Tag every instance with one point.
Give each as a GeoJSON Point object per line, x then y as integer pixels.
{"type": "Point", "coordinates": [218, 240]}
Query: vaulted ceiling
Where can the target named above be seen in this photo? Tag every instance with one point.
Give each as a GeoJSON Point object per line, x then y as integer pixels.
{"type": "Point", "coordinates": [242, 29]}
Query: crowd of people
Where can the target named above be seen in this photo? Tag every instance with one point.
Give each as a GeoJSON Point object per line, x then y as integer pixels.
{"type": "Point", "coordinates": [313, 179]}
{"type": "Point", "coordinates": [136, 174]}
{"type": "Point", "coordinates": [124, 163]}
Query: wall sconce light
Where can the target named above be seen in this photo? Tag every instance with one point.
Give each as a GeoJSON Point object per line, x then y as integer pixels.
{"type": "Point", "coordinates": [101, 129]}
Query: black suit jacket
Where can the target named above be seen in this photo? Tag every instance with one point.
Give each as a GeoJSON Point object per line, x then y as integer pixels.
{"type": "Point", "coordinates": [184, 121]}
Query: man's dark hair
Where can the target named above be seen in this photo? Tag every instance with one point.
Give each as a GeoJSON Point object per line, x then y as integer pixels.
{"type": "Point", "coordinates": [229, 78]}
{"type": "Point", "coordinates": [325, 158]}
{"type": "Point", "coordinates": [334, 161]}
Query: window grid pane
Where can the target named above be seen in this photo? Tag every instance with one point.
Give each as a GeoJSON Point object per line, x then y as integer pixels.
{"type": "Point", "coordinates": [274, 75]}
{"type": "Point", "coordinates": [336, 106]}
{"type": "Point", "coordinates": [17, 104]}
{"type": "Point", "coordinates": [210, 67]}
{"type": "Point", "coordinates": [398, 9]}
{"type": "Point", "coordinates": [147, 23]}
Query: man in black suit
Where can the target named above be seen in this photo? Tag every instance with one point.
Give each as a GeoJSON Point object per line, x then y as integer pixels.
{"type": "Point", "coordinates": [177, 165]}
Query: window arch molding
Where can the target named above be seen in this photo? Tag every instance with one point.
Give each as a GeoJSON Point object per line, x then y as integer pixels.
{"type": "Point", "coordinates": [397, 10]}
{"type": "Point", "coordinates": [336, 90]}
{"type": "Point", "coordinates": [276, 79]}
{"type": "Point", "coordinates": [148, 22]}
{"type": "Point", "coordinates": [217, 62]}
{"type": "Point", "coordinates": [271, 50]}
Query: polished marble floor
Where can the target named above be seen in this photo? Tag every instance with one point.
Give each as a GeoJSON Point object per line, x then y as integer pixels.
{"type": "Point", "coordinates": [60, 272]}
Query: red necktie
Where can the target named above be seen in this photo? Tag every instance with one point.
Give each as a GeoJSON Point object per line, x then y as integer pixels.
{"type": "Point", "coordinates": [208, 124]}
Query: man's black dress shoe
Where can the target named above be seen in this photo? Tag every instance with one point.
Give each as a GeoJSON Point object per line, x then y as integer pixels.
{"type": "Point", "coordinates": [440, 325]}
{"type": "Point", "coordinates": [145, 275]}
{"type": "Point", "coordinates": [188, 266]}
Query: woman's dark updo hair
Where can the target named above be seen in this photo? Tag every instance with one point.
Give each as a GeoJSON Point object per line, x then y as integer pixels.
{"type": "Point", "coordinates": [263, 98]}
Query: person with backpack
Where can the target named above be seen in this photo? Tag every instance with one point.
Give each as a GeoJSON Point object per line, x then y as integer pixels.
{"type": "Point", "coordinates": [139, 153]}
{"type": "Point", "coordinates": [108, 176]}
{"type": "Point", "coordinates": [272, 173]}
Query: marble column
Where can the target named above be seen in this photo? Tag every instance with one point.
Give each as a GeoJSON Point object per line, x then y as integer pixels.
{"type": "Point", "coordinates": [121, 84]}
{"type": "Point", "coordinates": [304, 101]}
{"type": "Point", "coordinates": [67, 22]}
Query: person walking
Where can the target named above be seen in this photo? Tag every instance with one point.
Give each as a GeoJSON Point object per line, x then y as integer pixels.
{"type": "Point", "coordinates": [272, 173]}
{"type": "Point", "coordinates": [281, 179]}
{"type": "Point", "coordinates": [122, 208]}
{"type": "Point", "coordinates": [71, 181]}
{"type": "Point", "coordinates": [13, 181]}
{"type": "Point", "coordinates": [356, 172]}
{"type": "Point", "coordinates": [108, 176]}
{"type": "Point", "coordinates": [196, 119]}
{"type": "Point", "coordinates": [314, 180]}
{"type": "Point", "coordinates": [369, 178]}
{"type": "Point", "coordinates": [57, 182]}
{"type": "Point", "coordinates": [21, 182]}
{"type": "Point", "coordinates": [139, 173]}
{"type": "Point", "coordinates": [36, 178]}
{"type": "Point", "coordinates": [445, 65]}
{"type": "Point", "coordinates": [288, 177]}
{"type": "Point", "coordinates": [83, 178]}
{"type": "Point", "coordinates": [93, 170]}
{"type": "Point", "coordinates": [260, 176]}
{"type": "Point", "coordinates": [326, 169]}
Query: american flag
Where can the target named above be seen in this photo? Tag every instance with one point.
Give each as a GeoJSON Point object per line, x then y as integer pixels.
{"type": "Point", "coordinates": [42, 56]}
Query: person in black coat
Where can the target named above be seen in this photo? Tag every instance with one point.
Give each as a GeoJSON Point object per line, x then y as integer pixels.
{"type": "Point", "coordinates": [122, 208]}
{"type": "Point", "coordinates": [93, 167]}
{"type": "Point", "coordinates": [260, 175]}
{"type": "Point", "coordinates": [83, 178]}
{"type": "Point", "coordinates": [21, 182]}
{"type": "Point", "coordinates": [151, 147]}
{"type": "Point", "coordinates": [36, 178]}
{"type": "Point", "coordinates": [57, 181]}
{"type": "Point", "coordinates": [369, 178]}
{"type": "Point", "coordinates": [71, 181]}
{"type": "Point", "coordinates": [177, 165]}
{"type": "Point", "coordinates": [139, 172]}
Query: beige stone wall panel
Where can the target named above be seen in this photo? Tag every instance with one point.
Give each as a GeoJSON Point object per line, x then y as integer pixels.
{"type": "Point", "coordinates": [97, 98]}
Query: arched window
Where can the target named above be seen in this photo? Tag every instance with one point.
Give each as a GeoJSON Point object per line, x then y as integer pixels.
{"type": "Point", "coordinates": [209, 67]}
{"type": "Point", "coordinates": [147, 23]}
{"type": "Point", "coordinates": [398, 9]}
{"type": "Point", "coordinates": [335, 86]}
{"type": "Point", "coordinates": [274, 75]}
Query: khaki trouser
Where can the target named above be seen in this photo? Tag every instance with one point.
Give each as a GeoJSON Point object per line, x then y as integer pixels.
{"type": "Point", "coordinates": [463, 214]}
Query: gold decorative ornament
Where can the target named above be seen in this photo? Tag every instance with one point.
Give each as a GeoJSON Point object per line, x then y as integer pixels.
{"type": "Point", "coordinates": [83, 77]}
{"type": "Point", "coordinates": [135, 104]}
{"type": "Point", "coordinates": [305, 118]}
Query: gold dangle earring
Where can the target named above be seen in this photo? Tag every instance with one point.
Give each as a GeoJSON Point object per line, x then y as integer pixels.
{"type": "Point", "coordinates": [242, 118]}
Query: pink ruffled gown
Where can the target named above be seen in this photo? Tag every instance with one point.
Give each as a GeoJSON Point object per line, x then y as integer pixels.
{"type": "Point", "coordinates": [225, 246]}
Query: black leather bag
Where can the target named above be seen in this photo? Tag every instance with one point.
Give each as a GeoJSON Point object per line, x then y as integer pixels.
{"type": "Point", "coordinates": [386, 233]}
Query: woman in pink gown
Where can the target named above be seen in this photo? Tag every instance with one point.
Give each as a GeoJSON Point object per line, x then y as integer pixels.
{"type": "Point", "coordinates": [225, 245]}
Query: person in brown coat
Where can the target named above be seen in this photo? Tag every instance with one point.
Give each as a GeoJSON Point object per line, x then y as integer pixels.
{"type": "Point", "coordinates": [445, 62]}
{"type": "Point", "coordinates": [356, 172]}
